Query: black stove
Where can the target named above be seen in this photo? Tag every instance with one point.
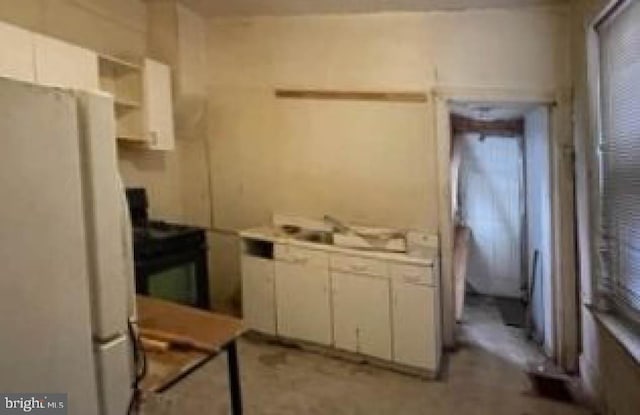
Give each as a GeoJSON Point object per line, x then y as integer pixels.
{"type": "Point", "coordinates": [170, 258]}
{"type": "Point", "coordinates": [161, 238]}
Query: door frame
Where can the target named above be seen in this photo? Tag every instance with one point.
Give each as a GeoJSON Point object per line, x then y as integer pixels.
{"type": "Point", "coordinates": [565, 330]}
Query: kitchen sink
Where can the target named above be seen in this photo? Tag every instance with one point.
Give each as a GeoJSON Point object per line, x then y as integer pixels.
{"type": "Point", "coordinates": [319, 237]}
{"type": "Point", "coordinates": [307, 235]}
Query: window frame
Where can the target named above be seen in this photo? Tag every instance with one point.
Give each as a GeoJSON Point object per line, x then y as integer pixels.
{"type": "Point", "coordinates": [603, 301]}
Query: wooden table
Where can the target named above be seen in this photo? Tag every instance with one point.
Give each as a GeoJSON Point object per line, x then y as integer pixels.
{"type": "Point", "coordinates": [198, 335]}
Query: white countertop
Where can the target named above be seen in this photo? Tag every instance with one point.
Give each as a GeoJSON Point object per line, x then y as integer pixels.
{"type": "Point", "coordinates": [272, 234]}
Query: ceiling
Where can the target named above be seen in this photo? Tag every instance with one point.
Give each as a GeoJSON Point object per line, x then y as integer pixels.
{"type": "Point", "coordinates": [296, 7]}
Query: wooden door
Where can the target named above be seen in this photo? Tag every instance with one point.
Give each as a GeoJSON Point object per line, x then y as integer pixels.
{"type": "Point", "coordinates": [302, 302]}
{"type": "Point", "coordinates": [361, 314]}
{"type": "Point", "coordinates": [258, 294]}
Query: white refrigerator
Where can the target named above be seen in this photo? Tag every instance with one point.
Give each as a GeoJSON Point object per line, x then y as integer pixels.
{"type": "Point", "coordinates": [66, 272]}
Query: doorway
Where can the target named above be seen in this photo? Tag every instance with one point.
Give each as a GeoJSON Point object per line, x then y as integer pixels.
{"type": "Point", "coordinates": [501, 212]}
{"type": "Point", "coordinates": [563, 329]}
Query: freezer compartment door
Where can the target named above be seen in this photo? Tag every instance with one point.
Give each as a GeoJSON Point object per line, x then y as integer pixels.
{"type": "Point", "coordinates": [115, 375]}
{"type": "Point", "coordinates": [109, 273]}
{"type": "Point", "coordinates": [45, 323]}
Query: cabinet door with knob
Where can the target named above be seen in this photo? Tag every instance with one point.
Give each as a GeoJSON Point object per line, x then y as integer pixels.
{"type": "Point", "coordinates": [258, 294]}
{"type": "Point", "coordinates": [302, 295]}
{"type": "Point", "coordinates": [158, 105]}
{"type": "Point", "coordinates": [415, 317]}
{"type": "Point", "coordinates": [361, 314]}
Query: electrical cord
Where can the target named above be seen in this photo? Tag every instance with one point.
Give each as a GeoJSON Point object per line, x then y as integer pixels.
{"type": "Point", "coordinates": [140, 367]}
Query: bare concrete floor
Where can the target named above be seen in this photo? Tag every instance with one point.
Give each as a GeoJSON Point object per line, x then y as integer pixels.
{"type": "Point", "coordinates": [482, 326]}
{"type": "Point", "coordinates": [484, 376]}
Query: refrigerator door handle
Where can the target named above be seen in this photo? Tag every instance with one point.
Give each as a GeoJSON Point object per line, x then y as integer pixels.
{"type": "Point", "coordinates": [127, 249]}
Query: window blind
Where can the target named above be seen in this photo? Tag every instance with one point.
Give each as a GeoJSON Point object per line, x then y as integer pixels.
{"type": "Point", "coordinates": [619, 154]}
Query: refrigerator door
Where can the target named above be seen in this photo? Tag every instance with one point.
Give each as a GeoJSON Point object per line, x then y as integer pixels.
{"type": "Point", "coordinates": [45, 310]}
{"type": "Point", "coordinates": [114, 375]}
{"type": "Point", "coordinates": [109, 274]}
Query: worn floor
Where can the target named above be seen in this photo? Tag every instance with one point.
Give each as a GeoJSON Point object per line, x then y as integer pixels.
{"type": "Point", "coordinates": [484, 376]}
{"type": "Point", "coordinates": [482, 326]}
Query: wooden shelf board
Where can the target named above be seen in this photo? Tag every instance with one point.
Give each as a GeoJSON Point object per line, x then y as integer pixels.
{"type": "Point", "coordinates": [127, 103]}
{"type": "Point", "coordinates": [388, 96]}
{"type": "Point", "coordinates": [123, 64]}
{"type": "Point", "coordinates": [131, 137]}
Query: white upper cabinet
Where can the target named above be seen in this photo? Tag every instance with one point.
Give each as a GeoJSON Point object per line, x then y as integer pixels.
{"type": "Point", "coordinates": [16, 53]}
{"type": "Point", "coordinates": [142, 95]}
{"type": "Point", "coordinates": [158, 105]}
{"type": "Point", "coordinates": [62, 64]}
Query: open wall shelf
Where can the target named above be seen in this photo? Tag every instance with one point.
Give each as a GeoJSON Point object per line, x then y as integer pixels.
{"type": "Point", "coordinates": [124, 80]}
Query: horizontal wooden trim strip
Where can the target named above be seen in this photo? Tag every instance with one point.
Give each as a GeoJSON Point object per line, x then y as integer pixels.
{"type": "Point", "coordinates": [509, 128]}
{"type": "Point", "coordinates": [414, 97]}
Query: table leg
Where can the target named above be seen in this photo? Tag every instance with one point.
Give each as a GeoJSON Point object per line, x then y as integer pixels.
{"type": "Point", "coordinates": [234, 379]}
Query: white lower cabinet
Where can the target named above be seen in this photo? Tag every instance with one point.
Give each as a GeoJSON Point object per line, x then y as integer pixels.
{"type": "Point", "coordinates": [414, 335]}
{"type": "Point", "coordinates": [302, 301]}
{"type": "Point", "coordinates": [384, 308]}
{"type": "Point", "coordinates": [258, 294]}
{"type": "Point", "coordinates": [361, 319]}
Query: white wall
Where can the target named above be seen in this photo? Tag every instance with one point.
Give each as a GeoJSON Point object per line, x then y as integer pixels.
{"type": "Point", "coordinates": [176, 180]}
{"type": "Point", "coordinates": [539, 237]}
{"type": "Point", "coordinates": [367, 162]}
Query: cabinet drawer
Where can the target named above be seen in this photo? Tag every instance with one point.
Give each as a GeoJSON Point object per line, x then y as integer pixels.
{"type": "Point", "coordinates": [301, 256]}
{"type": "Point", "coordinates": [358, 265]}
{"type": "Point", "coordinates": [412, 274]}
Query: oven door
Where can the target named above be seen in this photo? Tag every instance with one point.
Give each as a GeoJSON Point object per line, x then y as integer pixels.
{"type": "Point", "coordinates": [179, 277]}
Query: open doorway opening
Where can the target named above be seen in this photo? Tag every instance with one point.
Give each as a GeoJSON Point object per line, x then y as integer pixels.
{"type": "Point", "coordinates": [502, 214]}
